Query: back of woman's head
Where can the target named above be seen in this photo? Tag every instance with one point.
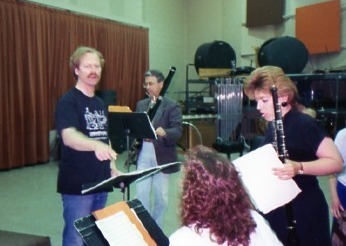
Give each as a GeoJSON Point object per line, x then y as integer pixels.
{"type": "Point", "coordinates": [213, 197]}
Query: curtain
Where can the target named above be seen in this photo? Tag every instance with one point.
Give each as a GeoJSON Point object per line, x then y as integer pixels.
{"type": "Point", "coordinates": [35, 45]}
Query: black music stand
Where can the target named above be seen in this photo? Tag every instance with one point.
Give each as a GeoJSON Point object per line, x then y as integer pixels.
{"type": "Point", "coordinates": [123, 181]}
{"type": "Point", "coordinates": [130, 125]}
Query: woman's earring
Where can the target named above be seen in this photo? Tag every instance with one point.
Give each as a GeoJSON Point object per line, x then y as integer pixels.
{"type": "Point", "coordinates": [284, 104]}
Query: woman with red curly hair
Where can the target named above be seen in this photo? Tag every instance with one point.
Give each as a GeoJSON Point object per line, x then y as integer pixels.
{"type": "Point", "coordinates": [215, 208]}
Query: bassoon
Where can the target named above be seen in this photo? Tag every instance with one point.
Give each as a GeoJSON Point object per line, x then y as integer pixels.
{"type": "Point", "coordinates": [279, 134]}
{"type": "Point", "coordinates": [151, 111]}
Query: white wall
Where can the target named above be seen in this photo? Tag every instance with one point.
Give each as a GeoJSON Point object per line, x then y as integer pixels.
{"type": "Point", "coordinates": [167, 38]}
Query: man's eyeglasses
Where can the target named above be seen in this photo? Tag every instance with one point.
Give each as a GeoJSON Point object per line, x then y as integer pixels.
{"type": "Point", "coordinates": [149, 84]}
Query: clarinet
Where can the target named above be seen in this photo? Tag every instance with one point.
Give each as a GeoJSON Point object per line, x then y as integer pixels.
{"type": "Point", "coordinates": [151, 111]}
{"type": "Point", "coordinates": [279, 136]}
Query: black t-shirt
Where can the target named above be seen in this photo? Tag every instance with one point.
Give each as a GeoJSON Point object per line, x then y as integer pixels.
{"type": "Point", "coordinates": [89, 116]}
{"type": "Point", "coordinates": [303, 136]}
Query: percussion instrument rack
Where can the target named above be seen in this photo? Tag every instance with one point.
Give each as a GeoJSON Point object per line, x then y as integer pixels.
{"type": "Point", "coordinates": [326, 93]}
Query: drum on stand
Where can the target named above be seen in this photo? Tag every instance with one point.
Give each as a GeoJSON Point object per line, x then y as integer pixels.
{"type": "Point", "coordinates": [286, 52]}
{"type": "Point", "coordinates": [217, 54]}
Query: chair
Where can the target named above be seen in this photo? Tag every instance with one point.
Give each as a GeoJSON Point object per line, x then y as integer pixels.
{"type": "Point", "coordinates": [256, 142]}
{"type": "Point", "coordinates": [17, 238]}
{"type": "Point", "coordinates": [229, 147]}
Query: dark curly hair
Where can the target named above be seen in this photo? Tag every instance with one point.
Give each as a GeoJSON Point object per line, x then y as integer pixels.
{"type": "Point", "coordinates": [213, 197]}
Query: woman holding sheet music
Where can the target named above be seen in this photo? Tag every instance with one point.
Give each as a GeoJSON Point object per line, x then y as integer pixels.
{"type": "Point", "coordinates": [311, 152]}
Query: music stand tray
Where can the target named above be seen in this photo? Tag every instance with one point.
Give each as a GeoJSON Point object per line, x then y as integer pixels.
{"type": "Point", "coordinates": [123, 181]}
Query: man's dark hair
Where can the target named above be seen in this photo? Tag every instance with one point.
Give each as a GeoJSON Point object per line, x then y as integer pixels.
{"type": "Point", "coordinates": [156, 73]}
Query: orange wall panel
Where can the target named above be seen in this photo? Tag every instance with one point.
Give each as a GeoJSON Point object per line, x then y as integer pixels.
{"type": "Point", "coordinates": [318, 27]}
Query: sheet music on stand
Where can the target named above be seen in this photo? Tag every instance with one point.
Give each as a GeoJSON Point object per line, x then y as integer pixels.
{"type": "Point", "coordinates": [93, 235]}
{"type": "Point", "coordinates": [120, 237]}
{"type": "Point", "coordinates": [118, 223]}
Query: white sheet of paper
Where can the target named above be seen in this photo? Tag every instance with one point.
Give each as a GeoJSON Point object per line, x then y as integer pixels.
{"type": "Point", "coordinates": [267, 191]}
{"type": "Point", "coordinates": [118, 230]}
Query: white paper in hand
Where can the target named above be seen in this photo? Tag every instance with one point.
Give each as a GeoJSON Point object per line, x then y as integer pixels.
{"type": "Point", "coordinates": [267, 191]}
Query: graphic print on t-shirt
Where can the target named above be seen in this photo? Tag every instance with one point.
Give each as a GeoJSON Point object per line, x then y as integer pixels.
{"type": "Point", "coordinates": [95, 122]}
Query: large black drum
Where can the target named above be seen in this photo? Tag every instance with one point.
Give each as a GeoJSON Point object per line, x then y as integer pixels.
{"type": "Point", "coordinates": [217, 54]}
{"type": "Point", "coordinates": [286, 52]}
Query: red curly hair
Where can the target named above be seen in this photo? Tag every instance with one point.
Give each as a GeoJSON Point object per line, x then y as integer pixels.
{"type": "Point", "coordinates": [213, 197]}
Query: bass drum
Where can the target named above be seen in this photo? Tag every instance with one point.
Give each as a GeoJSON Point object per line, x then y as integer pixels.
{"type": "Point", "coordinates": [217, 54]}
{"type": "Point", "coordinates": [286, 52]}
